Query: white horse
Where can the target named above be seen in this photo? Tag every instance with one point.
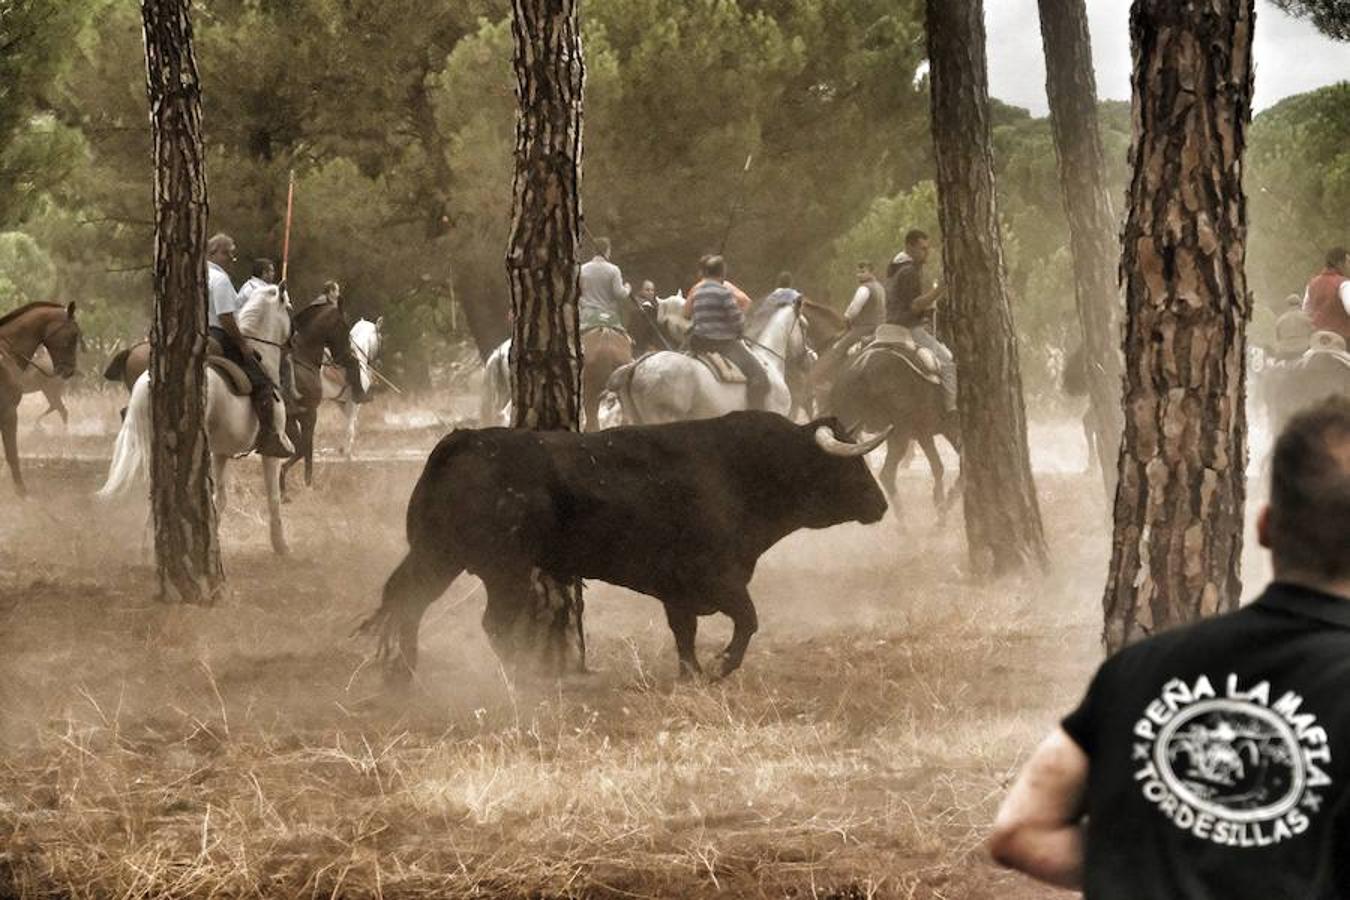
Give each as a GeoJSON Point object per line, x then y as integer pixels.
{"type": "Point", "coordinates": [231, 424]}
{"type": "Point", "coordinates": [666, 386]}
{"type": "Point", "coordinates": [366, 338]}
{"type": "Point", "coordinates": [495, 403]}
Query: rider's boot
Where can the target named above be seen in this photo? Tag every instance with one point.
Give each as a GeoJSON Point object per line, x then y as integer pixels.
{"type": "Point", "coordinates": [270, 443]}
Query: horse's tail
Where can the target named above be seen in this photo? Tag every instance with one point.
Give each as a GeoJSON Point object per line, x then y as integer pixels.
{"type": "Point", "coordinates": [620, 384]}
{"type": "Point", "coordinates": [131, 455]}
{"type": "Point", "coordinates": [117, 366]}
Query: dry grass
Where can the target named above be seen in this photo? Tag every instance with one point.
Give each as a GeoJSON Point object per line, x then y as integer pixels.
{"type": "Point", "coordinates": [248, 750]}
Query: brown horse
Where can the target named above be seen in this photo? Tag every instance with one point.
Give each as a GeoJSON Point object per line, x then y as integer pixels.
{"type": "Point", "coordinates": [129, 364]}
{"type": "Point", "coordinates": [22, 332]}
{"type": "Point", "coordinates": [879, 390]}
{"type": "Point", "coordinates": [602, 351]}
{"type": "Point", "coordinates": [317, 328]}
{"type": "Point", "coordinates": [39, 378]}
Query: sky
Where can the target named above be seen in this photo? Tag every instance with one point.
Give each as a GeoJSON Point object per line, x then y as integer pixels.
{"type": "Point", "coordinates": [1291, 56]}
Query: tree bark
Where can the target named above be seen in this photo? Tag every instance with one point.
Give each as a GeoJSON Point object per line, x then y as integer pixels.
{"type": "Point", "coordinates": [1071, 86]}
{"type": "Point", "coordinates": [1003, 519]}
{"type": "Point", "coordinates": [541, 265]}
{"type": "Point", "coordinates": [186, 548]}
{"type": "Point", "coordinates": [1178, 512]}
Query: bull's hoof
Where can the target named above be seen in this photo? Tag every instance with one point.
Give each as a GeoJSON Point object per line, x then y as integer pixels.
{"type": "Point", "coordinates": [725, 666]}
{"type": "Point", "coordinates": [281, 548]}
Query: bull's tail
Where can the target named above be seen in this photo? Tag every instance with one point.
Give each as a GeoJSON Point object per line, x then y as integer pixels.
{"type": "Point", "coordinates": [410, 589]}
{"type": "Point", "coordinates": [117, 366]}
{"type": "Point", "coordinates": [131, 455]}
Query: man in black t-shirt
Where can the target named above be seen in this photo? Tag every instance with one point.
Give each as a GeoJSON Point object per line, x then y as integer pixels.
{"type": "Point", "coordinates": [1212, 762]}
{"type": "Point", "coordinates": [910, 304]}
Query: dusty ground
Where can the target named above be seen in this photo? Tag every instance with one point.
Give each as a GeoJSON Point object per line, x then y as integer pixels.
{"type": "Point", "coordinates": [248, 749]}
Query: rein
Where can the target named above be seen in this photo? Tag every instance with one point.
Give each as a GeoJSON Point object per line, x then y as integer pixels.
{"type": "Point", "coordinates": [26, 360]}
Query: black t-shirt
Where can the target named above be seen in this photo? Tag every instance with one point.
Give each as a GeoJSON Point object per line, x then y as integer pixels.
{"type": "Point", "coordinates": [1220, 756]}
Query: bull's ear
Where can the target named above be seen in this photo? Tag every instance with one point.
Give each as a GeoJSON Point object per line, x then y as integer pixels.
{"type": "Point", "coordinates": [70, 310]}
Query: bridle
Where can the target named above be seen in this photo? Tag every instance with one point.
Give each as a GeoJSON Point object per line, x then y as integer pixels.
{"type": "Point", "coordinates": [8, 348]}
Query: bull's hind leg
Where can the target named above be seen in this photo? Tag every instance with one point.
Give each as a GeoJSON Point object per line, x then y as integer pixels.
{"type": "Point", "coordinates": [684, 624]}
{"type": "Point", "coordinates": [736, 603]}
{"type": "Point", "coordinates": [412, 587]}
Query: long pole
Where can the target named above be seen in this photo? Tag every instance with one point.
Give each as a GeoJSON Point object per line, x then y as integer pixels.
{"type": "Point", "coordinates": [736, 204]}
{"type": "Point", "coordinates": [286, 237]}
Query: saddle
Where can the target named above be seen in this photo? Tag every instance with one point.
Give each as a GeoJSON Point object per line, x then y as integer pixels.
{"type": "Point", "coordinates": [898, 342]}
{"type": "Point", "coordinates": [723, 369]}
{"type": "Point", "coordinates": [232, 374]}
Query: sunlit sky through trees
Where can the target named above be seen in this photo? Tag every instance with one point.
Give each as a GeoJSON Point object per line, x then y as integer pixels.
{"type": "Point", "coordinates": [1291, 56]}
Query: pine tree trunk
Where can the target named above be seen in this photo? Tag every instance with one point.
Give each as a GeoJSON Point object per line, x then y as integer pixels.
{"type": "Point", "coordinates": [1071, 86]}
{"type": "Point", "coordinates": [1003, 519]}
{"type": "Point", "coordinates": [541, 264]}
{"type": "Point", "coordinates": [186, 548]}
{"type": "Point", "coordinates": [1178, 512]}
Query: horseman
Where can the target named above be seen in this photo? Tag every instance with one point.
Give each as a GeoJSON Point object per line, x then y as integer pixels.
{"type": "Point", "coordinates": [603, 291]}
{"type": "Point", "coordinates": [1327, 299]}
{"type": "Point", "coordinates": [716, 308]}
{"type": "Point", "coordinates": [865, 312]}
{"type": "Point", "coordinates": [264, 275]}
{"type": "Point", "coordinates": [910, 305]}
{"type": "Point", "coordinates": [1293, 329]}
{"type": "Point", "coordinates": [222, 303]}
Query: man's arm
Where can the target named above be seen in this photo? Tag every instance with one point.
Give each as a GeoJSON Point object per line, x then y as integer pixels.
{"type": "Point", "coordinates": [741, 297]}
{"type": "Point", "coordinates": [926, 301]}
{"type": "Point", "coordinates": [1039, 828]}
{"type": "Point", "coordinates": [618, 290]}
{"type": "Point", "coordinates": [231, 328]}
{"type": "Point", "coordinates": [855, 306]}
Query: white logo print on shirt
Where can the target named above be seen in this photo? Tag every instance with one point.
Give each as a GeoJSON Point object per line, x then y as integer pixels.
{"type": "Point", "coordinates": [1234, 769]}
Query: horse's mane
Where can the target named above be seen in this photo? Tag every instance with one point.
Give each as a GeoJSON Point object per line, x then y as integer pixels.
{"type": "Point", "coordinates": [301, 319]}
{"type": "Point", "coordinates": [15, 313]}
{"type": "Point", "coordinates": [833, 316]}
{"type": "Point", "coordinates": [254, 311]}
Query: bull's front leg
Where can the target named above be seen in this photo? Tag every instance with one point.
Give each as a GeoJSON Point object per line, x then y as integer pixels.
{"type": "Point", "coordinates": [736, 603]}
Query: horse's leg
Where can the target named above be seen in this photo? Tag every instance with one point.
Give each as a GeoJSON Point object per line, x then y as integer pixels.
{"type": "Point", "coordinates": [9, 424]}
{"type": "Point", "coordinates": [218, 463]}
{"type": "Point", "coordinates": [353, 410]}
{"type": "Point", "coordinates": [295, 434]}
{"type": "Point", "coordinates": [929, 448]}
{"type": "Point", "coordinates": [272, 481]}
{"type": "Point", "coordinates": [307, 429]}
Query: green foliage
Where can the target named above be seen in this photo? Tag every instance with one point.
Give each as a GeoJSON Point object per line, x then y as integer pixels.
{"type": "Point", "coordinates": [26, 271]}
{"type": "Point", "coordinates": [1298, 188]}
{"type": "Point", "coordinates": [397, 117]}
{"type": "Point", "coordinates": [36, 40]}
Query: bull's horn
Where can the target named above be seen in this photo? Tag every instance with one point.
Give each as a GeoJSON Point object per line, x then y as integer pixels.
{"type": "Point", "coordinates": [832, 445]}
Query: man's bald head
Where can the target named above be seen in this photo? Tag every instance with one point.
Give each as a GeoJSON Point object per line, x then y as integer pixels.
{"type": "Point", "coordinates": [1306, 523]}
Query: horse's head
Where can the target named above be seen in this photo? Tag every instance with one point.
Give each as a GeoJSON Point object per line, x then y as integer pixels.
{"type": "Point", "coordinates": [63, 340]}
{"type": "Point", "coordinates": [670, 317]}
{"type": "Point", "coordinates": [265, 315]}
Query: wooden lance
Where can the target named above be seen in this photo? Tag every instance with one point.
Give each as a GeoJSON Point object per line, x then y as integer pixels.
{"type": "Point", "coordinates": [286, 237]}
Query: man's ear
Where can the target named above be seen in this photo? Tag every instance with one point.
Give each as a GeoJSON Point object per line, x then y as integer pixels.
{"type": "Point", "coordinates": [1263, 526]}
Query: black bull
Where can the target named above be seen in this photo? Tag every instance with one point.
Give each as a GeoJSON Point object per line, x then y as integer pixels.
{"type": "Point", "coordinates": [681, 512]}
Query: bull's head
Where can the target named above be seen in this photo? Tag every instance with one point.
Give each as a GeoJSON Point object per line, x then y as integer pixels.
{"type": "Point", "coordinates": [840, 487]}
